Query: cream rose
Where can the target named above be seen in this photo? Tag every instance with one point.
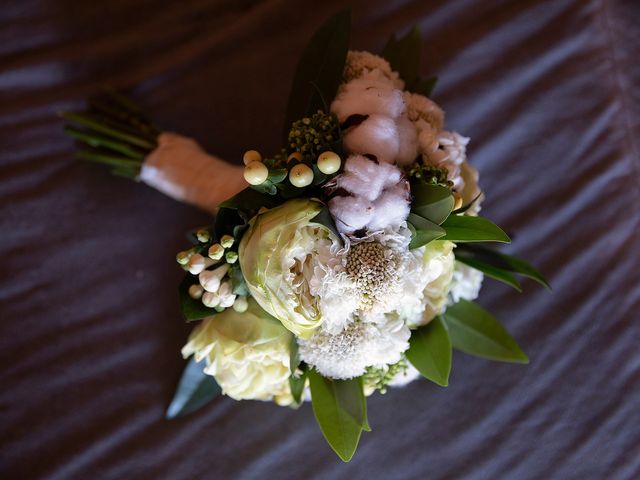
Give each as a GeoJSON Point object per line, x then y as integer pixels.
{"type": "Point", "coordinates": [248, 353]}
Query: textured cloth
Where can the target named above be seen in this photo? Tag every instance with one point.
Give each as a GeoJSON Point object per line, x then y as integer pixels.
{"type": "Point", "coordinates": [90, 330]}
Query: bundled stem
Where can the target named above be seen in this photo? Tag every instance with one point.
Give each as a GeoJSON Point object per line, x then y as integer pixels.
{"type": "Point", "coordinates": [116, 132]}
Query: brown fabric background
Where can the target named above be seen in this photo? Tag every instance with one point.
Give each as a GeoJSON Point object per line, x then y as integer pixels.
{"type": "Point", "coordinates": [89, 324]}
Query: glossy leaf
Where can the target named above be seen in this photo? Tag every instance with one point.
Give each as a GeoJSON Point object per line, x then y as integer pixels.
{"type": "Point", "coordinates": [325, 218]}
{"type": "Point", "coordinates": [249, 200]}
{"type": "Point", "coordinates": [191, 308]}
{"type": "Point", "coordinates": [465, 228]}
{"type": "Point", "coordinates": [432, 202]}
{"type": "Point", "coordinates": [403, 55]}
{"type": "Point", "coordinates": [503, 261]}
{"type": "Point", "coordinates": [491, 271]}
{"type": "Point", "coordinates": [319, 71]}
{"type": "Point", "coordinates": [475, 331]}
{"type": "Point", "coordinates": [430, 351]}
{"type": "Point", "coordinates": [195, 389]}
{"type": "Point", "coordinates": [340, 410]}
{"type": "Point", "coordinates": [423, 231]}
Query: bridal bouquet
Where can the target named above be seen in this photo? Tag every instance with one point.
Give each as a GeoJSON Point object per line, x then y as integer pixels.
{"type": "Point", "coordinates": [350, 262]}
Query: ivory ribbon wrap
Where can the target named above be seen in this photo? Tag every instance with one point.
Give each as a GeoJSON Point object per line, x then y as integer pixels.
{"type": "Point", "coordinates": [181, 169]}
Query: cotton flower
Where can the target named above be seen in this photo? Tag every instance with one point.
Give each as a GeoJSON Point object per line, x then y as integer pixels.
{"type": "Point", "coordinates": [466, 283]}
{"type": "Point", "coordinates": [360, 345]}
{"type": "Point", "coordinates": [247, 353]}
{"type": "Point", "coordinates": [360, 63]}
{"type": "Point", "coordinates": [374, 196]}
{"type": "Point", "coordinates": [377, 136]}
{"type": "Point", "coordinates": [370, 94]}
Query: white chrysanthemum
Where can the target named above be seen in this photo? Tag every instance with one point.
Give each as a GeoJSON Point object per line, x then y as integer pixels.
{"type": "Point", "coordinates": [419, 107]}
{"type": "Point", "coordinates": [360, 63]}
{"type": "Point", "coordinates": [466, 283]}
{"type": "Point", "coordinates": [360, 345]}
{"type": "Point", "coordinates": [248, 353]}
{"type": "Point", "coordinates": [435, 280]}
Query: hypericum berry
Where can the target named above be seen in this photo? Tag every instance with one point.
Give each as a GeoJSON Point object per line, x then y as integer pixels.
{"type": "Point", "coordinates": [256, 173]}
{"type": "Point", "coordinates": [329, 162]}
{"type": "Point", "coordinates": [295, 156]}
{"type": "Point", "coordinates": [301, 175]}
{"type": "Point", "coordinates": [251, 156]}
{"type": "Point", "coordinates": [196, 291]}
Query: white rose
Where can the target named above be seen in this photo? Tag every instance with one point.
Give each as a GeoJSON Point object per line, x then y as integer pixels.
{"type": "Point", "coordinates": [247, 353]}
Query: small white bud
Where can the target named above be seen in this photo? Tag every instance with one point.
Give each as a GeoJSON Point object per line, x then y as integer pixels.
{"type": "Point", "coordinates": [227, 241]}
{"type": "Point", "coordinates": [211, 300]}
{"type": "Point", "coordinates": [197, 263]}
{"type": "Point", "coordinates": [231, 257]}
{"type": "Point", "coordinates": [203, 236]}
{"type": "Point", "coordinates": [216, 251]}
{"type": "Point", "coordinates": [210, 279]}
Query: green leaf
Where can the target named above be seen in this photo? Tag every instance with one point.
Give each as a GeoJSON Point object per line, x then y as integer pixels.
{"type": "Point", "coordinates": [466, 207]}
{"type": "Point", "coordinates": [195, 389]}
{"type": "Point", "coordinates": [502, 261]}
{"type": "Point", "coordinates": [319, 71]}
{"type": "Point", "coordinates": [432, 202]}
{"type": "Point", "coordinates": [491, 271]}
{"type": "Point", "coordinates": [475, 331]}
{"type": "Point", "coordinates": [325, 219]}
{"type": "Point", "coordinates": [430, 351]}
{"type": "Point", "coordinates": [423, 231]}
{"type": "Point", "coordinates": [277, 175]}
{"type": "Point", "coordinates": [425, 87]}
{"type": "Point", "coordinates": [340, 410]}
{"type": "Point", "coordinates": [404, 56]}
{"type": "Point", "coordinates": [238, 281]}
{"type": "Point", "coordinates": [464, 228]}
{"type": "Point", "coordinates": [249, 200]}
{"type": "Point", "coordinates": [191, 308]}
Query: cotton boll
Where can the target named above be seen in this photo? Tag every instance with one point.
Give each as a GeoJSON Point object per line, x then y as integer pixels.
{"type": "Point", "coordinates": [370, 94]}
{"type": "Point", "coordinates": [361, 177]}
{"type": "Point", "coordinates": [408, 136]}
{"type": "Point", "coordinates": [377, 136]}
{"type": "Point", "coordinates": [391, 209]}
{"type": "Point", "coordinates": [353, 212]}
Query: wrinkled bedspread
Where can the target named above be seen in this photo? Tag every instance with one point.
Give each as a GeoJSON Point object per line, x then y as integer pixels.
{"type": "Point", "coordinates": [90, 329]}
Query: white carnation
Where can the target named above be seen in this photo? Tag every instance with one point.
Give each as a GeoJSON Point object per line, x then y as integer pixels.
{"type": "Point", "coordinates": [360, 63]}
{"type": "Point", "coordinates": [360, 345]}
{"type": "Point", "coordinates": [419, 107]}
{"type": "Point", "coordinates": [466, 283]}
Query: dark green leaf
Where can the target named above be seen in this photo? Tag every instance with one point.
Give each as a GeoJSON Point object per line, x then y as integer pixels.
{"type": "Point", "coordinates": [423, 231]}
{"type": "Point", "coordinates": [404, 56]}
{"type": "Point", "coordinates": [320, 69]}
{"type": "Point", "coordinates": [324, 218]}
{"type": "Point", "coordinates": [195, 389]}
{"type": "Point", "coordinates": [464, 228]}
{"type": "Point", "coordinates": [503, 261]}
{"type": "Point", "coordinates": [425, 87]}
{"type": "Point", "coordinates": [475, 331]}
{"type": "Point", "coordinates": [491, 271]}
{"type": "Point", "coordinates": [338, 408]}
{"type": "Point", "coordinates": [192, 309]}
{"type": "Point", "coordinates": [430, 351]}
{"type": "Point", "coordinates": [432, 202]}
{"type": "Point", "coordinates": [249, 200]}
